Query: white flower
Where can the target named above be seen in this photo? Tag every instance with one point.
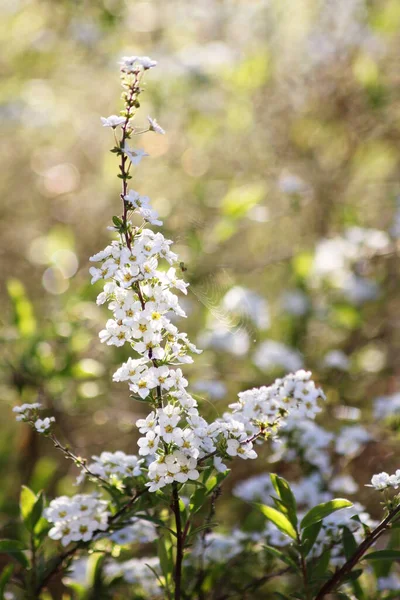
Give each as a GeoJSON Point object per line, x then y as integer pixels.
{"type": "Point", "coordinates": [130, 64]}
{"type": "Point", "coordinates": [380, 481]}
{"type": "Point", "coordinates": [148, 444]}
{"type": "Point", "coordinates": [135, 156]}
{"type": "Point", "coordinates": [147, 424]}
{"type": "Point", "coordinates": [26, 411]}
{"type": "Point", "coordinates": [114, 466]}
{"type": "Point", "coordinates": [43, 425]}
{"type": "Point", "coordinates": [112, 121]}
{"type": "Point", "coordinates": [219, 465]}
{"type": "Point", "coordinates": [140, 531]}
{"type": "Point", "coordinates": [235, 448]}
{"type": "Point", "coordinates": [187, 468]}
{"type": "Point", "coordinates": [76, 519]}
{"type": "Point", "coordinates": [154, 126]}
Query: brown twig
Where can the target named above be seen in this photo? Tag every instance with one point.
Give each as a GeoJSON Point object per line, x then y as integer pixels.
{"type": "Point", "coordinates": [332, 583]}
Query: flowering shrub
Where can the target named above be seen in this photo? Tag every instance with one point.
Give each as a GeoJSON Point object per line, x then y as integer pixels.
{"type": "Point", "coordinates": [297, 541]}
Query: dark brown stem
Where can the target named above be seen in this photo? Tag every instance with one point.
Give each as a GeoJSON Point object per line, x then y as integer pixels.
{"type": "Point", "coordinates": [341, 573]}
{"type": "Point", "coordinates": [179, 542]}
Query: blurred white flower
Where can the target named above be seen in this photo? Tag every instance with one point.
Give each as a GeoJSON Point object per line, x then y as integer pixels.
{"type": "Point", "coordinates": [154, 126]}
{"type": "Point", "coordinates": [270, 355]}
{"type": "Point", "coordinates": [112, 121]}
{"type": "Point", "coordinates": [336, 359]}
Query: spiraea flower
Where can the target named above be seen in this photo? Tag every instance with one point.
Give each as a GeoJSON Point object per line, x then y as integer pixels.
{"type": "Point", "coordinates": [112, 121]}
{"type": "Point", "coordinates": [43, 425]}
{"type": "Point", "coordinates": [114, 466]}
{"type": "Point", "coordinates": [154, 126]}
{"type": "Point", "coordinates": [27, 412]}
{"type": "Point", "coordinates": [383, 480]}
{"type": "Point", "coordinates": [77, 519]}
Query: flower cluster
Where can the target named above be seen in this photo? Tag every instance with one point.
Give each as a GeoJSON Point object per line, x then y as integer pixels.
{"type": "Point", "coordinates": [114, 466]}
{"type": "Point", "coordinates": [382, 481]}
{"type": "Point", "coordinates": [295, 394]}
{"type": "Point", "coordinates": [139, 291]}
{"type": "Point", "coordinates": [137, 571]}
{"type": "Point", "coordinates": [338, 261]}
{"type": "Point", "coordinates": [29, 413]}
{"type": "Point", "coordinates": [139, 531]}
{"type": "Point", "coordinates": [78, 518]}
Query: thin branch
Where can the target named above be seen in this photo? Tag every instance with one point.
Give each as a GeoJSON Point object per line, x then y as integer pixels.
{"type": "Point", "coordinates": [341, 573]}
{"type": "Point", "coordinates": [79, 461]}
{"type": "Point", "coordinates": [253, 585]}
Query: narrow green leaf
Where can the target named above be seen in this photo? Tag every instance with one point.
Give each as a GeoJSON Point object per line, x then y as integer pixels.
{"type": "Point", "coordinates": [197, 500]}
{"type": "Point", "coordinates": [281, 556]}
{"type": "Point", "coordinates": [318, 568]}
{"type": "Point", "coordinates": [27, 502]}
{"type": "Point", "coordinates": [349, 542]}
{"type": "Point", "coordinates": [383, 555]}
{"type": "Point", "coordinates": [201, 528]}
{"type": "Point", "coordinates": [37, 510]}
{"type": "Point", "coordinates": [309, 537]}
{"type": "Point", "coordinates": [9, 546]}
{"type": "Point", "coordinates": [20, 557]}
{"type": "Point", "coordinates": [117, 221]}
{"type": "Point", "coordinates": [323, 510]}
{"type": "Point", "coordinates": [4, 579]}
{"type": "Point", "coordinates": [284, 492]}
{"type": "Point", "coordinates": [278, 519]}
{"type": "Point", "coordinates": [164, 556]}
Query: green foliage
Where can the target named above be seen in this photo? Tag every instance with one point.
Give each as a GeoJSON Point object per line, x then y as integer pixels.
{"type": "Point", "coordinates": [318, 513]}
{"type": "Point", "coordinates": [278, 519]}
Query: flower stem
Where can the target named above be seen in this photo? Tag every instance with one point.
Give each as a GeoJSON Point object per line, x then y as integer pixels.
{"type": "Point", "coordinates": [341, 573]}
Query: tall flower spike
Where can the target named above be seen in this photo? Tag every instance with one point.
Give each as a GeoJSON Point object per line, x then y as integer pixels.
{"type": "Point", "coordinates": [140, 283]}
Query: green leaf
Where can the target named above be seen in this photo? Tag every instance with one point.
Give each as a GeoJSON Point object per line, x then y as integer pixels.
{"type": "Point", "coordinates": [4, 579]}
{"type": "Point", "coordinates": [284, 492]}
{"type": "Point", "coordinates": [278, 519]}
{"type": "Point", "coordinates": [197, 500]}
{"type": "Point", "coordinates": [201, 528]}
{"type": "Point", "coordinates": [318, 568]}
{"type": "Point", "coordinates": [37, 510]}
{"type": "Point", "coordinates": [10, 546]}
{"type": "Point", "coordinates": [323, 510]}
{"type": "Point", "coordinates": [353, 575]}
{"type": "Point", "coordinates": [117, 222]}
{"type": "Point", "coordinates": [31, 507]}
{"type": "Point", "coordinates": [349, 543]}
{"type": "Point", "coordinates": [164, 555]}
{"type": "Point", "coordinates": [281, 556]}
{"type": "Point", "coordinates": [383, 555]}
{"type": "Point", "coordinates": [309, 537]}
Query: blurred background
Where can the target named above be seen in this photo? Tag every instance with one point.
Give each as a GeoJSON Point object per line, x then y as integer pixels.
{"type": "Point", "coordinates": [278, 179]}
